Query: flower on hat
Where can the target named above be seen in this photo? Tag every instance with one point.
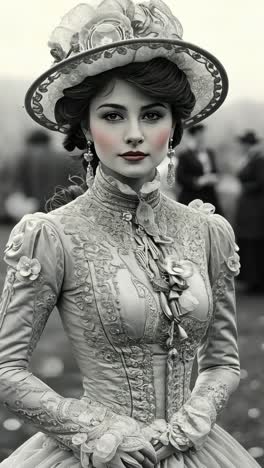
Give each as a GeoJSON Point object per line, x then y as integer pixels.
{"type": "Point", "coordinates": [66, 34]}
{"type": "Point", "coordinates": [104, 28]}
{"type": "Point", "coordinates": [28, 268]}
{"type": "Point", "coordinates": [153, 18]}
{"type": "Point", "coordinates": [85, 27]}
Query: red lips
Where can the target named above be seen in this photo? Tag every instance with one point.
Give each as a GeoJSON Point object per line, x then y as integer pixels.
{"type": "Point", "coordinates": [133, 155]}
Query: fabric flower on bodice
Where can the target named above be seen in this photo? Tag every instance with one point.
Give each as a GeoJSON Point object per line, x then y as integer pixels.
{"type": "Point", "coordinates": [28, 268]}
{"type": "Point", "coordinates": [179, 271]}
{"type": "Point", "coordinates": [179, 300]}
{"type": "Point", "coordinates": [199, 205]}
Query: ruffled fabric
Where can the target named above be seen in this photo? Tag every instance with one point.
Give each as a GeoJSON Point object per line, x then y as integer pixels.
{"type": "Point", "coordinates": [224, 250]}
{"type": "Point", "coordinates": [220, 451]}
{"type": "Point", "coordinates": [223, 247]}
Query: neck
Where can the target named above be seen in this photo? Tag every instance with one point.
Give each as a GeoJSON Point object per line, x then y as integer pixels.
{"type": "Point", "coordinates": [134, 183]}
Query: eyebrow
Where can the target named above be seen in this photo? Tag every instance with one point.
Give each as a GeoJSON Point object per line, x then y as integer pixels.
{"type": "Point", "coordinates": [118, 106]}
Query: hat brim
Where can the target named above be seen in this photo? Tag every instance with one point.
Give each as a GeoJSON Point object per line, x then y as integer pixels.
{"type": "Point", "coordinates": [206, 75]}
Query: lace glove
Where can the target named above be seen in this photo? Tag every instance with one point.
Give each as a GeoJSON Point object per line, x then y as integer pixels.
{"type": "Point", "coordinates": [162, 433]}
{"type": "Point", "coordinates": [188, 428]}
{"type": "Point", "coordinates": [112, 441]}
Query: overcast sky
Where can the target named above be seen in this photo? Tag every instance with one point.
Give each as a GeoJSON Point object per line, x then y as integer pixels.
{"type": "Point", "coordinates": [233, 30]}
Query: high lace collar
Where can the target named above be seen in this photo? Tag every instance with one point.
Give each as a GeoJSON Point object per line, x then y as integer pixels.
{"type": "Point", "coordinates": [119, 196]}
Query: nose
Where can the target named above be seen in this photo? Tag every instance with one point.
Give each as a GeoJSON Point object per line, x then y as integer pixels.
{"type": "Point", "coordinates": [134, 135]}
{"type": "Point", "coordinates": [134, 141]}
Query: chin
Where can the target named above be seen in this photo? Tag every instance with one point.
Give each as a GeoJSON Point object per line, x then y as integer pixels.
{"type": "Point", "coordinates": [135, 169]}
{"type": "Point", "coordinates": [136, 173]}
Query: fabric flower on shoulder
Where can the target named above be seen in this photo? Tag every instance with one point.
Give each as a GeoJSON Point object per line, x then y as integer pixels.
{"type": "Point", "coordinates": [199, 205]}
{"type": "Point", "coordinates": [14, 244]}
{"type": "Point", "coordinates": [28, 268]}
{"type": "Point", "coordinates": [233, 264]}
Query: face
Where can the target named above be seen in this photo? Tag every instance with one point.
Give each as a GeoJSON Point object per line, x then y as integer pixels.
{"type": "Point", "coordinates": [123, 120]}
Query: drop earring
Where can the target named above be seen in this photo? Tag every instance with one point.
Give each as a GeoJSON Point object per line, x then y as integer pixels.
{"type": "Point", "coordinates": [171, 167]}
{"type": "Point", "coordinates": [88, 156]}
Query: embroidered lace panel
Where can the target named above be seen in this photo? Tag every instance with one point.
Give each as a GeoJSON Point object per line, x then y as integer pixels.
{"type": "Point", "coordinates": [101, 231]}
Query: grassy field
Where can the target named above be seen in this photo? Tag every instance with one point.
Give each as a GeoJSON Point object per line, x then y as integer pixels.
{"type": "Point", "coordinates": [243, 418]}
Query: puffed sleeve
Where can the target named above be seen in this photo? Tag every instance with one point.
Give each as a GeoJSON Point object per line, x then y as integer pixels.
{"type": "Point", "coordinates": [218, 359]}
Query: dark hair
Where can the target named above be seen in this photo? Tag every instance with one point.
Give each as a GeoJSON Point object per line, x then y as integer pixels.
{"type": "Point", "coordinates": [157, 78]}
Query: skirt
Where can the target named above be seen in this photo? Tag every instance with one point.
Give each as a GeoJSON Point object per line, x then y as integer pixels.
{"type": "Point", "coordinates": [221, 450]}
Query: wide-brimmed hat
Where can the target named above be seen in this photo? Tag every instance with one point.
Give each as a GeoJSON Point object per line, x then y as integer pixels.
{"type": "Point", "coordinates": [91, 40]}
{"type": "Point", "coordinates": [249, 137]}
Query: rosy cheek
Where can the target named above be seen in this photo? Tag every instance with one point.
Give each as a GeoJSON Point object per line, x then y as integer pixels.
{"type": "Point", "coordinates": [104, 139]}
{"type": "Point", "coordinates": [161, 138]}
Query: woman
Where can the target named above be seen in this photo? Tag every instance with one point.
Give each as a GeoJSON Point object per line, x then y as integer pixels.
{"type": "Point", "coordinates": [142, 283]}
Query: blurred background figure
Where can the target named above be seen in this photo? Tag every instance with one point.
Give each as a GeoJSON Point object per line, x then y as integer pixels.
{"type": "Point", "coordinates": [5, 189]}
{"type": "Point", "coordinates": [249, 224]}
{"type": "Point", "coordinates": [197, 173]}
{"type": "Point", "coordinates": [37, 173]}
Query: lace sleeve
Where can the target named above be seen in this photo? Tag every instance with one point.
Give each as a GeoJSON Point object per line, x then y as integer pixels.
{"type": "Point", "coordinates": [218, 360]}
{"type": "Point", "coordinates": [35, 260]}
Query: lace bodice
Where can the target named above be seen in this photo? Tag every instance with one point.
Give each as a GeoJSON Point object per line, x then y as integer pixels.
{"type": "Point", "coordinates": [84, 257]}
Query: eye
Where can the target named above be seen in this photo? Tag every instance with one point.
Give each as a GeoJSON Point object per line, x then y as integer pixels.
{"type": "Point", "coordinates": [112, 116]}
{"type": "Point", "coordinates": [153, 115]}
